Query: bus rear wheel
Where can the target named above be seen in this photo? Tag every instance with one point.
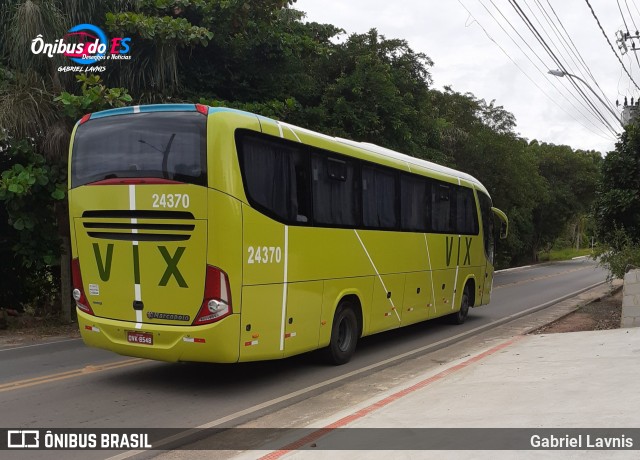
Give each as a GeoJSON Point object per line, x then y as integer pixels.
{"type": "Point", "coordinates": [461, 315]}
{"type": "Point", "coordinates": [344, 335]}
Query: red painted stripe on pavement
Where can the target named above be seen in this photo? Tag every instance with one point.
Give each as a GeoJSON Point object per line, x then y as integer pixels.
{"type": "Point", "coordinates": [384, 402]}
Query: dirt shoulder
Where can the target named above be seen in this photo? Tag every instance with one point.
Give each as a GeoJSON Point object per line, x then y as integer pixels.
{"type": "Point", "coordinates": [16, 336]}
{"type": "Point", "coordinates": [603, 313]}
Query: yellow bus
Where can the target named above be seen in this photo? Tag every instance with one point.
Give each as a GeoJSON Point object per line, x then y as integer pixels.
{"type": "Point", "coordinates": [210, 234]}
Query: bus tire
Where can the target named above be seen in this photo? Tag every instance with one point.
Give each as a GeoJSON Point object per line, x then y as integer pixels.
{"type": "Point", "coordinates": [344, 335]}
{"type": "Point", "coordinates": [460, 316]}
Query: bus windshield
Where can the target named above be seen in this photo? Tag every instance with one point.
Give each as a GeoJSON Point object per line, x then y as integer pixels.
{"type": "Point", "coordinates": [167, 145]}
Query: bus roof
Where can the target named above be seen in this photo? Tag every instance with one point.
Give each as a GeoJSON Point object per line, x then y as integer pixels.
{"type": "Point", "coordinates": [383, 151]}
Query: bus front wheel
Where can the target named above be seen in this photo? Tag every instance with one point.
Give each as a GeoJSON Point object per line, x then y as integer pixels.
{"type": "Point", "coordinates": [344, 335]}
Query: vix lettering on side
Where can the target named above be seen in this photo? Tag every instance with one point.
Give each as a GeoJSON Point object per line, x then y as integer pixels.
{"type": "Point", "coordinates": [449, 250]}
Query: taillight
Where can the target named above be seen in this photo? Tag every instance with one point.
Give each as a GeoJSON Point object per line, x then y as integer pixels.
{"type": "Point", "coordinates": [217, 297]}
{"type": "Point", "coordinates": [78, 291]}
{"type": "Point", "coordinates": [203, 109]}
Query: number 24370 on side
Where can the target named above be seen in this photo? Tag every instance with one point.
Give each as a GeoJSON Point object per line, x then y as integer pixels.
{"type": "Point", "coordinates": [264, 254]}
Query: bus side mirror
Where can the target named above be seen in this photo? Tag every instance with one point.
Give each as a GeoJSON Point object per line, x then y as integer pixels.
{"type": "Point", "coordinates": [504, 222]}
{"type": "Point", "coordinates": [504, 231]}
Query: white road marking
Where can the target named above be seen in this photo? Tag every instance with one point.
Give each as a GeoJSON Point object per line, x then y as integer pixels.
{"type": "Point", "coordinates": [511, 269]}
{"type": "Point", "coordinates": [38, 345]}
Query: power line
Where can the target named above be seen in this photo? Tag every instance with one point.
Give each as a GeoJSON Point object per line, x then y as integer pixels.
{"type": "Point", "coordinates": [627, 28]}
{"type": "Point", "coordinates": [635, 6]}
{"type": "Point", "coordinates": [572, 43]}
{"type": "Point", "coordinates": [634, 24]}
{"type": "Point", "coordinates": [557, 57]}
{"type": "Point", "coordinates": [610, 45]}
{"type": "Point", "coordinates": [619, 80]}
{"type": "Point", "coordinates": [574, 51]}
{"type": "Point", "coordinates": [542, 72]}
{"type": "Point", "coordinates": [542, 42]}
{"type": "Point", "coordinates": [631, 16]}
{"type": "Point", "coordinates": [607, 137]}
{"type": "Point", "coordinates": [621, 14]}
{"type": "Point", "coordinates": [629, 89]}
{"type": "Point", "coordinates": [558, 62]}
{"type": "Point", "coordinates": [556, 32]}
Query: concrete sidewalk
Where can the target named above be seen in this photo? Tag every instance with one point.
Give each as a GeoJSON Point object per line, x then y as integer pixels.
{"type": "Point", "coordinates": [571, 380]}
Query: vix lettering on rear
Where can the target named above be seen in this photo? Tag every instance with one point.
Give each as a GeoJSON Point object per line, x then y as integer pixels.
{"type": "Point", "coordinates": [172, 271]}
{"type": "Point", "coordinates": [104, 268]}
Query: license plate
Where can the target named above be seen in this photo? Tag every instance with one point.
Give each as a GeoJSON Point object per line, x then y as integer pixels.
{"type": "Point", "coordinates": [143, 338]}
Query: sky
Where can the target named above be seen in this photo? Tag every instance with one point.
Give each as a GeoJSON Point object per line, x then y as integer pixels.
{"type": "Point", "coordinates": [469, 42]}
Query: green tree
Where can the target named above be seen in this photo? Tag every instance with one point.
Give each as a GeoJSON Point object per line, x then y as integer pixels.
{"type": "Point", "coordinates": [375, 90]}
{"type": "Point", "coordinates": [160, 32]}
{"type": "Point", "coordinates": [261, 56]}
{"type": "Point", "coordinates": [571, 178]}
{"type": "Point", "coordinates": [617, 203]}
{"type": "Point", "coordinates": [31, 122]}
{"type": "Point", "coordinates": [30, 82]}
{"type": "Point", "coordinates": [478, 138]}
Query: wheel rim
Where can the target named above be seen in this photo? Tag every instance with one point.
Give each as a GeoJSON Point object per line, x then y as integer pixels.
{"type": "Point", "coordinates": [344, 335]}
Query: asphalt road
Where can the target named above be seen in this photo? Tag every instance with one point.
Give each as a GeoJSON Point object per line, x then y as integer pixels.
{"type": "Point", "coordinates": [65, 384]}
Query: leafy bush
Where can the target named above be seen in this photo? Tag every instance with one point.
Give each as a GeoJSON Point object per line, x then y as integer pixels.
{"type": "Point", "coordinates": [620, 255]}
{"type": "Point", "coordinates": [29, 190]}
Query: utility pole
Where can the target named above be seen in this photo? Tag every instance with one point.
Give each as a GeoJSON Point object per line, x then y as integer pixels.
{"type": "Point", "coordinates": [627, 42]}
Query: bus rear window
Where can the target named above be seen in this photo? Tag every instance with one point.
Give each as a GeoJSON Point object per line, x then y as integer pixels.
{"type": "Point", "coordinates": [166, 145]}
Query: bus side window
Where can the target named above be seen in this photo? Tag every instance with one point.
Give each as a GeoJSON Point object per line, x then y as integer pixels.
{"type": "Point", "coordinates": [378, 198]}
{"type": "Point", "coordinates": [334, 191]}
{"type": "Point", "coordinates": [466, 215]}
{"type": "Point", "coordinates": [441, 205]}
{"type": "Point", "coordinates": [415, 203]}
{"type": "Point", "coordinates": [277, 178]}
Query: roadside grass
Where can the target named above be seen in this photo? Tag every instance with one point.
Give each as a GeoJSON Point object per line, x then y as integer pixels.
{"type": "Point", "coordinates": [563, 254]}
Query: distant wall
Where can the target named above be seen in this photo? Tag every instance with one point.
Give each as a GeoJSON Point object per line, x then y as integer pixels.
{"type": "Point", "coordinates": [631, 300]}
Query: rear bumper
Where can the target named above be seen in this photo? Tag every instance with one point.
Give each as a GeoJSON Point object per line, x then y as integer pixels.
{"type": "Point", "coordinates": [215, 343]}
